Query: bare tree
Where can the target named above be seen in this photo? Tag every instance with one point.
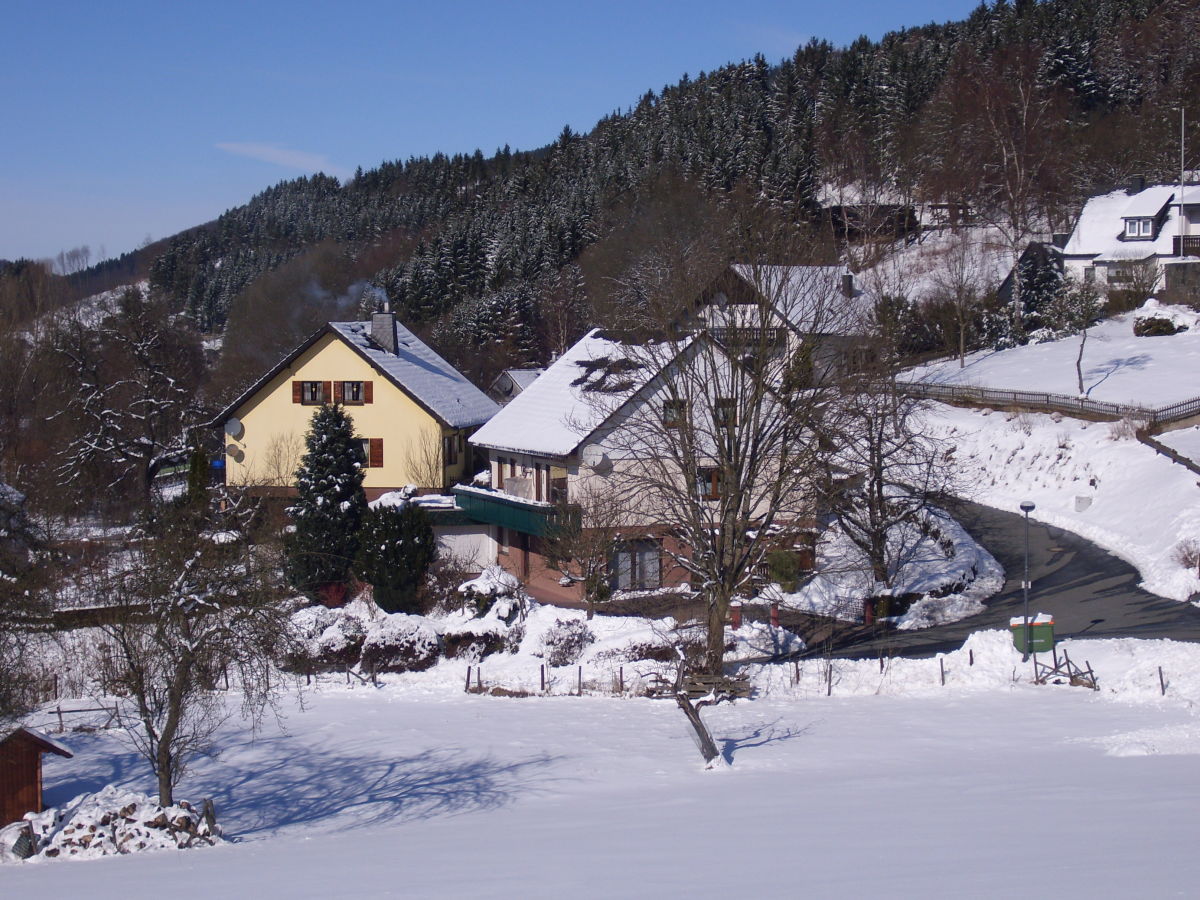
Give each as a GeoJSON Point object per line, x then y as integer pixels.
{"type": "Point", "coordinates": [584, 537]}
{"type": "Point", "coordinates": [883, 475]}
{"type": "Point", "coordinates": [719, 444]}
{"type": "Point", "coordinates": [958, 279]}
{"type": "Point", "coordinates": [1074, 310]}
{"type": "Point", "coordinates": [129, 384]}
{"type": "Point", "coordinates": [21, 600]}
{"type": "Point", "coordinates": [197, 606]}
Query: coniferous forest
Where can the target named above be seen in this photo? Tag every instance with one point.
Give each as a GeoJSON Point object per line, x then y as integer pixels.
{"type": "Point", "coordinates": [1021, 111]}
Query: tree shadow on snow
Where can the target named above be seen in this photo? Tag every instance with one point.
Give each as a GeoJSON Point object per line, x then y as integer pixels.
{"type": "Point", "coordinates": [278, 789]}
{"type": "Point", "coordinates": [758, 736]}
{"type": "Point", "coordinates": [100, 759]}
{"type": "Point", "coordinates": [1110, 367]}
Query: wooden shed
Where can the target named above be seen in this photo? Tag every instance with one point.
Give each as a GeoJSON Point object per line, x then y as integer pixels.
{"type": "Point", "coordinates": [21, 772]}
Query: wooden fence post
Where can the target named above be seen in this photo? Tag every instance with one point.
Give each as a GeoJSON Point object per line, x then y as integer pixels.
{"type": "Point", "coordinates": [467, 688]}
{"type": "Point", "coordinates": [942, 667]}
{"type": "Point", "coordinates": [1162, 684]}
{"type": "Point", "coordinates": [542, 667]}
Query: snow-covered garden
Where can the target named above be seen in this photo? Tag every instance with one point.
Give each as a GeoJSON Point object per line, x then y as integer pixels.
{"type": "Point", "coordinates": [417, 788]}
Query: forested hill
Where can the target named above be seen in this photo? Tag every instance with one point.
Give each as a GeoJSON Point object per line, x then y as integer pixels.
{"type": "Point", "coordinates": [1022, 109]}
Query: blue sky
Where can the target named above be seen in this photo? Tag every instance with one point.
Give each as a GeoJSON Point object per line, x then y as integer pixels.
{"type": "Point", "coordinates": [137, 119]}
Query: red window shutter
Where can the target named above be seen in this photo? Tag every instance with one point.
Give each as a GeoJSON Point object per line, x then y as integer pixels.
{"type": "Point", "coordinates": [375, 461]}
{"type": "Point", "coordinates": [339, 392]}
{"type": "Point", "coordinates": [297, 391]}
{"type": "Point", "coordinates": [368, 394]}
{"type": "Point", "coordinates": [326, 391]}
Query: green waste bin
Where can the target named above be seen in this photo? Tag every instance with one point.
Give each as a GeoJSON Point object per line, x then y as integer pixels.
{"type": "Point", "coordinates": [1041, 633]}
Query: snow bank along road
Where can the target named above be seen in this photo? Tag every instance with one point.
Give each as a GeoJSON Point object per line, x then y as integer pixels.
{"type": "Point", "coordinates": [1090, 592]}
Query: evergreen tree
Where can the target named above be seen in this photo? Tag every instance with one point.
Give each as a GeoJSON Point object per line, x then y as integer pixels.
{"type": "Point", "coordinates": [396, 548]}
{"type": "Point", "coordinates": [330, 506]}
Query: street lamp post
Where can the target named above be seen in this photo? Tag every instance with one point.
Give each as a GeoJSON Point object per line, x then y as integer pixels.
{"type": "Point", "coordinates": [1026, 507]}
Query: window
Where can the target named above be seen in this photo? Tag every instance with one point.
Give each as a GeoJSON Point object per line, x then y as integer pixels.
{"type": "Point", "coordinates": [725, 414]}
{"type": "Point", "coordinates": [310, 393]}
{"type": "Point", "coordinates": [708, 483]}
{"type": "Point", "coordinates": [637, 566]}
{"type": "Point", "coordinates": [1139, 228]}
{"type": "Point", "coordinates": [352, 393]}
{"type": "Point", "coordinates": [674, 413]}
{"type": "Point", "coordinates": [372, 450]}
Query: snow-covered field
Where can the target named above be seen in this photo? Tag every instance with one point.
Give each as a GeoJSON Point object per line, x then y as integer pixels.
{"type": "Point", "coordinates": [1185, 441]}
{"type": "Point", "coordinates": [1092, 478]}
{"type": "Point", "coordinates": [1117, 366]}
{"type": "Point", "coordinates": [894, 786]}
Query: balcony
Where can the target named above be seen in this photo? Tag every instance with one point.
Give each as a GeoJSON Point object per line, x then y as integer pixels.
{"type": "Point", "coordinates": [1191, 245]}
{"type": "Point", "coordinates": [508, 511]}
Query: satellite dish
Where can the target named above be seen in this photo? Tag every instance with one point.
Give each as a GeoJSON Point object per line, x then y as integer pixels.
{"type": "Point", "coordinates": [235, 429]}
{"type": "Point", "coordinates": [595, 459]}
{"type": "Point", "coordinates": [234, 452]}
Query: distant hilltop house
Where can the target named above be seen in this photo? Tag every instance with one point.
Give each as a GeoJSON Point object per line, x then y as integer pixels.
{"type": "Point", "coordinates": [1128, 236]}
{"type": "Point", "coordinates": [511, 382]}
{"type": "Point", "coordinates": [411, 408]}
{"type": "Point", "coordinates": [817, 314]}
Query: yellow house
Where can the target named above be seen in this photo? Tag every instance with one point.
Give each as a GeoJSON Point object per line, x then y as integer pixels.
{"type": "Point", "coordinates": [411, 408]}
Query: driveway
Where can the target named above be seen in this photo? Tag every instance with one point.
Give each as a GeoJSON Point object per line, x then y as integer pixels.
{"type": "Point", "coordinates": [1089, 592]}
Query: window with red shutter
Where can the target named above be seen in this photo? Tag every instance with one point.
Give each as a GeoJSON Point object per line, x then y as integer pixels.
{"type": "Point", "coordinates": [297, 389]}
{"type": "Point", "coordinates": [368, 393]}
{"type": "Point", "coordinates": [338, 392]}
{"type": "Point", "coordinates": [375, 460]}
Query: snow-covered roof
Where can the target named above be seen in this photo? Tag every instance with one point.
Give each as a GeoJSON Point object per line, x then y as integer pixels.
{"type": "Point", "coordinates": [523, 378]}
{"type": "Point", "coordinates": [45, 743]}
{"type": "Point", "coordinates": [810, 298]}
{"type": "Point", "coordinates": [1102, 223]}
{"type": "Point", "coordinates": [924, 269]}
{"type": "Point", "coordinates": [571, 399]}
{"type": "Point", "coordinates": [414, 367]}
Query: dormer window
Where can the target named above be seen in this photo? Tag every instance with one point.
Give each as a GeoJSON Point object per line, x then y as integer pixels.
{"type": "Point", "coordinates": [1139, 228]}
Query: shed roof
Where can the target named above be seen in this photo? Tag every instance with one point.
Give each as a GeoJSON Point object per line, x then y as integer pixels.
{"type": "Point", "coordinates": [43, 742]}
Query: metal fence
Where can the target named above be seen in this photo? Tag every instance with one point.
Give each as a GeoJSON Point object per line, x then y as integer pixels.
{"type": "Point", "coordinates": [1052, 402]}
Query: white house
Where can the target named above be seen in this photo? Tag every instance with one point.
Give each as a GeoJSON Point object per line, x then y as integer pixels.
{"type": "Point", "coordinates": [1127, 235]}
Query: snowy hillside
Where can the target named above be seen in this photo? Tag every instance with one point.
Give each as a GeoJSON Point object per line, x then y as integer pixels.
{"type": "Point", "coordinates": [1117, 366]}
{"type": "Point", "coordinates": [1092, 478]}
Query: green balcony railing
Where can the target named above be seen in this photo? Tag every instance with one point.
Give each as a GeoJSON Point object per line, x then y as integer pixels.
{"type": "Point", "coordinates": [505, 510]}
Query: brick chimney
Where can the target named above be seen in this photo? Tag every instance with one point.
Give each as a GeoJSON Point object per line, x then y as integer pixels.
{"type": "Point", "coordinates": [383, 330]}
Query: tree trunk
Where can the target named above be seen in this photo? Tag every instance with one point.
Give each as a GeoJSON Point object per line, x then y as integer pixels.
{"type": "Point", "coordinates": [166, 790]}
{"type": "Point", "coordinates": [714, 653]}
{"type": "Point", "coordinates": [1079, 362]}
{"type": "Point", "coordinates": [708, 747]}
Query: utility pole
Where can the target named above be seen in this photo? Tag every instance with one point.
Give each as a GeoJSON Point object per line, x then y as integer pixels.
{"type": "Point", "coordinates": [1182, 136]}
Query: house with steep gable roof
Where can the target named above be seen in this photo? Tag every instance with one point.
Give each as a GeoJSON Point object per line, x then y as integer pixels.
{"type": "Point", "coordinates": [1126, 236]}
{"type": "Point", "coordinates": [413, 411]}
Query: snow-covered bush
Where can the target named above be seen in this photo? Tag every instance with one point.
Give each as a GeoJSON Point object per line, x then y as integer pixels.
{"type": "Point", "coordinates": [475, 644]}
{"type": "Point", "coordinates": [1156, 326]}
{"type": "Point", "coordinates": [565, 641]}
{"type": "Point", "coordinates": [1187, 554]}
{"type": "Point", "coordinates": [491, 585]}
{"type": "Point", "coordinates": [339, 644]}
{"type": "Point", "coordinates": [400, 643]}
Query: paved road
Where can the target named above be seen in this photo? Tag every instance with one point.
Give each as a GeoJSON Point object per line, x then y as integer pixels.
{"type": "Point", "coordinates": [1090, 592]}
